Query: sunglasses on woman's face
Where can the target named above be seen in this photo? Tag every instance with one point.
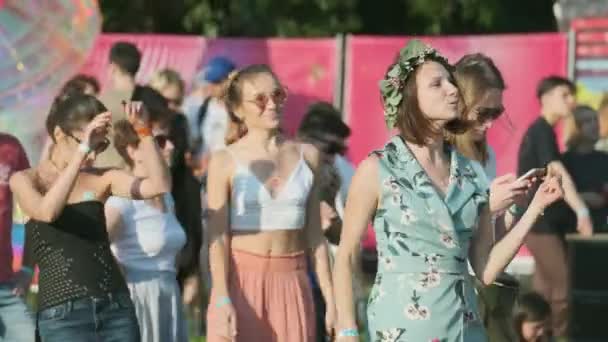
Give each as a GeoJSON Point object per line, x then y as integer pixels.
{"type": "Point", "coordinates": [99, 148]}
{"type": "Point", "coordinates": [485, 114]}
{"type": "Point", "coordinates": [278, 96]}
{"type": "Point", "coordinates": [174, 102]}
{"type": "Point", "coordinates": [161, 140]}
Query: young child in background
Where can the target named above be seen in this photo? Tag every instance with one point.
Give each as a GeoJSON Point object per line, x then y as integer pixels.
{"type": "Point", "coordinates": [531, 318]}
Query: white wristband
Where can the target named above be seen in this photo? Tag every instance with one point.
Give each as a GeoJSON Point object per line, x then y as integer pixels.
{"type": "Point", "coordinates": [84, 148]}
{"type": "Point", "coordinates": [582, 212]}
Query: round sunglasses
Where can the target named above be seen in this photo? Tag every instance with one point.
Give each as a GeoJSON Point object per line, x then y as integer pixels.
{"type": "Point", "coordinates": [278, 96]}
{"type": "Point", "coordinates": [485, 114]}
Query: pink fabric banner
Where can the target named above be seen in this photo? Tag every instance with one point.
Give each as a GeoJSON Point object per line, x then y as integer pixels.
{"type": "Point", "coordinates": [182, 53]}
{"type": "Point", "coordinates": [523, 60]}
{"type": "Point", "coordinates": [306, 66]}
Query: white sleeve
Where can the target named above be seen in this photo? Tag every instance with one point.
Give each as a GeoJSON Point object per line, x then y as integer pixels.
{"type": "Point", "coordinates": [214, 127]}
{"type": "Point", "coordinates": [119, 203]}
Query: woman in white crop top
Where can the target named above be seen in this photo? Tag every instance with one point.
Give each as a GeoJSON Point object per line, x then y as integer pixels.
{"type": "Point", "coordinates": [145, 238]}
{"type": "Point", "coordinates": [263, 207]}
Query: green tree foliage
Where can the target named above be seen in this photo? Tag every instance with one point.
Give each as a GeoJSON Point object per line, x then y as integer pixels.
{"type": "Point", "coordinates": [310, 18]}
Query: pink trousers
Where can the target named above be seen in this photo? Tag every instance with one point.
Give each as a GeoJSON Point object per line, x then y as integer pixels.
{"type": "Point", "coordinates": [272, 298]}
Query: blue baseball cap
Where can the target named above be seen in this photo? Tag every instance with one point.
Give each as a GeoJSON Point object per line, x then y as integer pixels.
{"type": "Point", "coordinates": [216, 70]}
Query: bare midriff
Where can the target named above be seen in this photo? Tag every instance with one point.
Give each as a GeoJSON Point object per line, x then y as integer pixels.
{"type": "Point", "coordinates": [269, 243]}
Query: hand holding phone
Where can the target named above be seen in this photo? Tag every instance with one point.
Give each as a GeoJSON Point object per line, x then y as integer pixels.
{"type": "Point", "coordinates": [536, 173]}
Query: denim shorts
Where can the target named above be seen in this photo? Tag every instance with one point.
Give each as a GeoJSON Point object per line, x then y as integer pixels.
{"type": "Point", "coordinates": [110, 318]}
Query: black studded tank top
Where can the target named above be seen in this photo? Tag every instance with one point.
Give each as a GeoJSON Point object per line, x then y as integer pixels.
{"type": "Point", "coordinates": [74, 257]}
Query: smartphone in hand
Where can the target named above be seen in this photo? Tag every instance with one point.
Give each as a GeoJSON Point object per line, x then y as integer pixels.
{"type": "Point", "coordinates": [537, 173]}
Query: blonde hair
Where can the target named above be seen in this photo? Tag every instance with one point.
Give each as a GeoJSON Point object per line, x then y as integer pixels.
{"type": "Point", "coordinates": [166, 77]}
{"type": "Point", "coordinates": [475, 74]}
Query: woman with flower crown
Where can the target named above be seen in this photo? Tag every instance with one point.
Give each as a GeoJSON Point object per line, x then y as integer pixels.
{"type": "Point", "coordinates": [429, 208]}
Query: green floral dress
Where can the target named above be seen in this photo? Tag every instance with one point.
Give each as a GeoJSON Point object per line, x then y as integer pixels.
{"type": "Point", "coordinates": [423, 291]}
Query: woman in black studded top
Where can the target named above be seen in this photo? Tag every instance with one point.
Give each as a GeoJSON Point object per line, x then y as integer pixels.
{"type": "Point", "coordinates": [83, 296]}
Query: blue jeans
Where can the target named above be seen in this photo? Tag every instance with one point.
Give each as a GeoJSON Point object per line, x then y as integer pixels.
{"type": "Point", "coordinates": [16, 323]}
{"type": "Point", "coordinates": [108, 319]}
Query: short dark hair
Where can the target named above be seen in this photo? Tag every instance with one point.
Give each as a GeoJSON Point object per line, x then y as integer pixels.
{"type": "Point", "coordinates": [551, 82]}
{"type": "Point", "coordinates": [323, 117]}
{"type": "Point", "coordinates": [72, 112]}
{"type": "Point", "coordinates": [411, 122]}
{"type": "Point", "coordinates": [79, 83]}
{"type": "Point", "coordinates": [126, 56]}
{"type": "Point", "coordinates": [155, 103]}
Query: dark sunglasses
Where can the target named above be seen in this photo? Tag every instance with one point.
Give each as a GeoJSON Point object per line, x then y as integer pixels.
{"type": "Point", "coordinates": [175, 102]}
{"type": "Point", "coordinates": [99, 148]}
{"type": "Point", "coordinates": [161, 140]}
{"type": "Point", "coordinates": [485, 114]}
{"type": "Point", "coordinates": [278, 96]}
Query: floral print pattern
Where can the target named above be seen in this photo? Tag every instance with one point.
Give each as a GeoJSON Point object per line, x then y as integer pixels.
{"type": "Point", "coordinates": [422, 290]}
{"type": "Point", "coordinates": [415, 311]}
{"type": "Point", "coordinates": [391, 335]}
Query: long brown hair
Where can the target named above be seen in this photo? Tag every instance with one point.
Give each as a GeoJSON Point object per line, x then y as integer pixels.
{"type": "Point", "coordinates": [412, 124]}
{"type": "Point", "coordinates": [475, 74]}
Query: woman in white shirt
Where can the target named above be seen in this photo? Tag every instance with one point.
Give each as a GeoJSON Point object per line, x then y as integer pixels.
{"type": "Point", "coordinates": [146, 238]}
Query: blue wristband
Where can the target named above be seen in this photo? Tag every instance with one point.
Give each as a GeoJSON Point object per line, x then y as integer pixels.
{"type": "Point", "coordinates": [348, 333]}
{"type": "Point", "coordinates": [27, 270]}
{"type": "Point", "coordinates": [516, 210]}
{"type": "Point", "coordinates": [221, 301]}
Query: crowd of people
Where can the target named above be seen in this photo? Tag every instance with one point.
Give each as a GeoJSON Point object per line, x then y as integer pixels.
{"type": "Point", "coordinates": [148, 204]}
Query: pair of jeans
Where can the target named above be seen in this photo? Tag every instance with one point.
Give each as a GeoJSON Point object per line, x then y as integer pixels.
{"type": "Point", "coordinates": [16, 323]}
{"type": "Point", "coordinates": [107, 319]}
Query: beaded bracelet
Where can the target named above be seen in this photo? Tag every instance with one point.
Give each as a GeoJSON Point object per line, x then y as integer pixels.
{"type": "Point", "coordinates": [143, 131]}
{"type": "Point", "coordinates": [516, 210]}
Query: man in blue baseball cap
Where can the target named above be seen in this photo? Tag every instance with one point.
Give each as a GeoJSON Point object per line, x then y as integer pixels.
{"type": "Point", "coordinates": [216, 70]}
{"type": "Point", "coordinates": [206, 114]}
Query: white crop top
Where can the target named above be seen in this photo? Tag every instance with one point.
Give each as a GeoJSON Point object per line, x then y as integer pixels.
{"type": "Point", "coordinates": [149, 239]}
{"type": "Point", "coordinates": [254, 209]}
